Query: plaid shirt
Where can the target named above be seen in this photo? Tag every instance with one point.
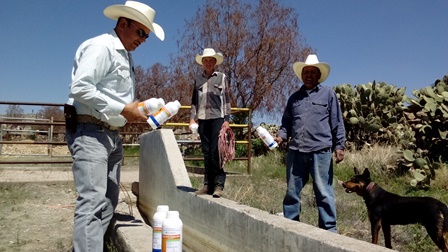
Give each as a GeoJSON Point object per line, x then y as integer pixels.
{"type": "Point", "coordinates": [210, 99]}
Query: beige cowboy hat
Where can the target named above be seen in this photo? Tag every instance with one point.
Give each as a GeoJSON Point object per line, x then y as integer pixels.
{"type": "Point", "coordinates": [210, 52]}
{"type": "Point", "coordinates": [137, 11]}
{"type": "Point", "coordinates": [312, 60]}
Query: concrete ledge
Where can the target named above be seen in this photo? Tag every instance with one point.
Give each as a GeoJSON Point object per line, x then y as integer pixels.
{"type": "Point", "coordinates": [129, 232]}
{"type": "Point", "coordinates": [212, 224]}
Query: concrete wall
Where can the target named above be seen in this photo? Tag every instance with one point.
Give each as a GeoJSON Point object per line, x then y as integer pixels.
{"type": "Point", "coordinates": [218, 224]}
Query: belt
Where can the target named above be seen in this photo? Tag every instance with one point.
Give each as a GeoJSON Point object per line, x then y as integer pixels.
{"type": "Point", "coordinates": [94, 120]}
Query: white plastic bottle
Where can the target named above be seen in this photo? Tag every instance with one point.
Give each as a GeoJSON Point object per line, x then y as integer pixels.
{"type": "Point", "coordinates": [172, 232]}
{"type": "Point", "coordinates": [194, 128]}
{"type": "Point", "coordinates": [266, 137]}
{"type": "Point", "coordinates": [164, 113]}
{"type": "Point", "coordinates": [157, 222]}
{"type": "Point", "coordinates": [151, 105]}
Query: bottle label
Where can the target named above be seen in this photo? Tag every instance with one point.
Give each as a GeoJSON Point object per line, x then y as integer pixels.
{"type": "Point", "coordinates": [143, 108]}
{"type": "Point", "coordinates": [171, 242]}
{"type": "Point", "coordinates": [157, 239]}
{"type": "Point", "coordinates": [160, 116]}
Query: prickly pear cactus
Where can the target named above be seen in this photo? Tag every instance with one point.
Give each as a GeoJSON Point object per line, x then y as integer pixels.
{"type": "Point", "coordinates": [373, 113]}
{"type": "Point", "coordinates": [381, 113]}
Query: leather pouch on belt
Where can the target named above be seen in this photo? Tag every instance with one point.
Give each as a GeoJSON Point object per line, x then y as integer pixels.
{"type": "Point", "coordinates": [70, 118]}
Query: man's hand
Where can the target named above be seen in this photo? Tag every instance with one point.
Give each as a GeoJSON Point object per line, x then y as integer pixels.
{"type": "Point", "coordinates": [279, 140]}
{"type": "Point", "coordinates": [132, 114]}
{"type": "Point", "coordinates": [339, 155]}
{"type": "Point", "coordinates": [225, 125]}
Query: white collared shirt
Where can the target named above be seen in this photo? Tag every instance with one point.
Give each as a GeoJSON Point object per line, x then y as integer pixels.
{"type": "Point", "coordinates": [103, 79]}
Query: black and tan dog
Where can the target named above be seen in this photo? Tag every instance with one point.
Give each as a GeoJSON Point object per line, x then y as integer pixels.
{"type": "Point", "coordinates": [386, 209]}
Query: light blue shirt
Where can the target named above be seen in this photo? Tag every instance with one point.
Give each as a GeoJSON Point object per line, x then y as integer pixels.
{"type": "Point", "coordinates": [313, 121]}
{"type": "Point", "coordinates": [103, 79]}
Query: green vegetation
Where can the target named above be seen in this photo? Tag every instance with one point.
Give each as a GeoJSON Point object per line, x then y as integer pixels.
{"type": "Point", "coordinates": [379, 113]}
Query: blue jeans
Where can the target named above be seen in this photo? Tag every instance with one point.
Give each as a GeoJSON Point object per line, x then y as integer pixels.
{"type": "Point", "coordinates": [97, 153]}
{"type": "Point", "coordinates": [319, 165]}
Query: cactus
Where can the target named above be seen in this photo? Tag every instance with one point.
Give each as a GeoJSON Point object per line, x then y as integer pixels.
{"type": "Point", "coordinates": [376, 113]}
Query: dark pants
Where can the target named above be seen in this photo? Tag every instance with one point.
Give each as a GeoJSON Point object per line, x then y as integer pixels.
{"type": "Point", "coordinates": [208, 130]}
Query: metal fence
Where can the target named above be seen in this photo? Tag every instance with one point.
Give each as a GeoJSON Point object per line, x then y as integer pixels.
{"type": "Point", "coordinates": [23, 130]}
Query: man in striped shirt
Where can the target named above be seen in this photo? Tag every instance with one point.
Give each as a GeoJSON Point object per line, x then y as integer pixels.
{"type": "Point", "coordinates": [210, 105]}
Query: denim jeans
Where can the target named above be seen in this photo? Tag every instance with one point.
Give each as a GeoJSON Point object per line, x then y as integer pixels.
{"type": "Point", "coordinates": [208, 130]}
{"type": "Point", "coordinates": [319, 165]}
{"type": "Point", "coordinates": [97, 153]}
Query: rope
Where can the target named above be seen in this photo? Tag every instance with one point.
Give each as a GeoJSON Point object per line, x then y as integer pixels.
{"type": "Point", "coordinates": [226, 146]}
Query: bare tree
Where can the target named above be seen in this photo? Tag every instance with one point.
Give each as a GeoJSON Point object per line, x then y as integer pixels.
{"type": "Point", "coordinates": [152, 83]}
{"type": "Point", "coordinates": [14, 111]}
{"type": "Point", "coordinates": [51, 111]}
{"type": "Point", "coordinates": [259, 42]}
{"type": "Point", "coordinates": [159, 82]}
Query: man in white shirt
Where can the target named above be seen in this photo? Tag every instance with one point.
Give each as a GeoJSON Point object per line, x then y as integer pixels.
{"type": "Point", "coordinates": [101, 100]}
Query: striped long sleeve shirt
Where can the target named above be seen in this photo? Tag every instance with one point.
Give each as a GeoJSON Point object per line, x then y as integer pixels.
{"type": "Point", "coordinates": [210, 99]}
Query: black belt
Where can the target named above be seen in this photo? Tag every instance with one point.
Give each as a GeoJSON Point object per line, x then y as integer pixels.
{"type": "Point", "coordinates": [94, 120]}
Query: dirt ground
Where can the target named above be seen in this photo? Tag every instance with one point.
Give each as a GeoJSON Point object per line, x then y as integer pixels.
{"type": "Point", "coordinates": [37, 205]}
{"type": "Point", "coordinates": [33, 149]}
{"type": "Point", "coordinates": [36, 216]}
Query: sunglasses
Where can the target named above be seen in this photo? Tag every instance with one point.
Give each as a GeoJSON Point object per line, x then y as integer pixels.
{"type": "Point", "coordinates": [141, 33]}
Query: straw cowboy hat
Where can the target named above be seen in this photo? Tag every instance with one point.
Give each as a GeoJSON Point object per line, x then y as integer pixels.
{"type": "Point", "coordinates": [312, 60]}
{"type": "Point", "coordinates": [210, 52]}
{"type": "Point", "coordinates": [137, 11]}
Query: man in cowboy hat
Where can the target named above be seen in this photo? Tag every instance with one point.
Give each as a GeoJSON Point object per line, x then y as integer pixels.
{"type": "Point", "coordinates": [210, 105]}
{"type": "Point", "coordinates": [312, 123]}
{"type": "Point", "coordinates": [101, 100]}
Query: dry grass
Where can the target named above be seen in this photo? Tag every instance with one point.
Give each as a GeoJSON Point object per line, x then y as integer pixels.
{"type": "Point", "coordinates": [265, 188]}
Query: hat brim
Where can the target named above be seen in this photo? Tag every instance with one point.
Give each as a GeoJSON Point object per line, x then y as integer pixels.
{"type": "Point", "coordinates": [219, 58]}
{"type": "Point", "coordinates": [116, 11]}
{"type": "Point", "coordinates": [323, 67]}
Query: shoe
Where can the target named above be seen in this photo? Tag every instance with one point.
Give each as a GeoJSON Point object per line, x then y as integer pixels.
{"type": "Point", "coordinates": [218, 192]}
{"type": "Point", "coordinates": [203, 190]}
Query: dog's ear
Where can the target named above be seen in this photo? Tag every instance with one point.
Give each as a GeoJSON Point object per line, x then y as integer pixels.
{"type": "Point", "coordinates": [366, 173]}
{"type": "Point", "coordinates": [356, 171]}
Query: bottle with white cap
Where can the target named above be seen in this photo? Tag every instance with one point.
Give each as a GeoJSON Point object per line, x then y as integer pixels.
{"type": "Point", "coordinates": [264, 135]}
{"type": "Point", "coordinates": [157, 222]}
{"type": "Point", "coordinates": [166, 112]}
{"type": "Point", "coordinates": [172, 232]}
{"type": "Point", "coordinates": [194, 128]}
{"type": "Point", "coordinates": [151, 105]}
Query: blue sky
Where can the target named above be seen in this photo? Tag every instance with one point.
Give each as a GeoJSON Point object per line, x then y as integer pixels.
{"type": "Point", "coordinates": [400, 42]}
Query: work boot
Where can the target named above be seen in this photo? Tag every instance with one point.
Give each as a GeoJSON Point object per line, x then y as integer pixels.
{"type": "Point", "coordinates": [218, 192]}
{"type": "Point", "coordinates": [203, 190]}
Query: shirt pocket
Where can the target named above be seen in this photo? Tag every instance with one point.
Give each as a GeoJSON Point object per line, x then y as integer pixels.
{"type": "Point", "coordinates": [124, 83]}
{"type": "Point", "coordinates": [319, 107]}
{"type": "Point", "coordinates": [124, 73]}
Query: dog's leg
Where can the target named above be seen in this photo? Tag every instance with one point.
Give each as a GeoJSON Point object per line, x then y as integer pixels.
{"type": "Point", "coordinates": [386, 232]}
{"type": "Point", "coordinates": [375, 226]}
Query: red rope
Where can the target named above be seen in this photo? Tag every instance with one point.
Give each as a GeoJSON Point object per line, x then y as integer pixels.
{"type": "Point", "coordinates": [226, 146]}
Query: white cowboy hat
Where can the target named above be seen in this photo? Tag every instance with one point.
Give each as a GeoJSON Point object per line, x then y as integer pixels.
{"type": "Point", "coordinates": [137, 11]}
{"type": "Point", "coordinates": [312, 60]}
{"type": "Point", "coordinates": [210, 52]}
